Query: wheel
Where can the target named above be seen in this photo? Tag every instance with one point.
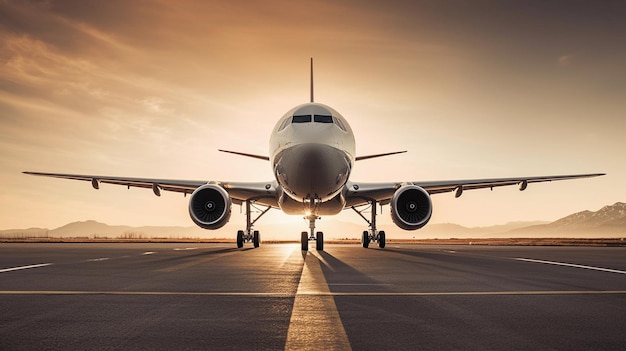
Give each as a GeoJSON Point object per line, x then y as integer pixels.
{"type": "Point", "coordinates": [304, 240]}
{"type": "Point", "coordinates": [239, 239]}
{"type": "Point", "coordinates": [365, 239]}
{"type": "Point", "coordinates": [319, 241]}
{"type": "Point", "coordinates": [381, 239]}
{"type": "Point", "coordinates": [256, 238]}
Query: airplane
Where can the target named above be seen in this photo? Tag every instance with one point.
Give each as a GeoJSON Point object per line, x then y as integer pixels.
{"type": "Point", "coordinates": [312, 154]}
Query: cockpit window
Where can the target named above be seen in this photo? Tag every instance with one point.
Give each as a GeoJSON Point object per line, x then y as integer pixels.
{"type": "Point", "coordinates": [326, 119]}
{"type": "Point", "coordinates": [339, 124]}
{"type": "Point", "coordinates": [323, 119]}
{"type": "Point", "coordinates": [301, 119]}
{"type": "Point", "coordinates": [284, 124]}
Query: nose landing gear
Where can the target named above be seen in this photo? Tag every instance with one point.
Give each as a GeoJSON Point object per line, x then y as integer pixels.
{"type": "Point", "coordinates": [317, 237]}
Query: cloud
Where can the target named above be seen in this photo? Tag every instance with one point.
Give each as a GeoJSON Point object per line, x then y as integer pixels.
{"type": "Point", "coordinates": [565, 60]}
{"type": "Point", "coordinates": [152, 87]}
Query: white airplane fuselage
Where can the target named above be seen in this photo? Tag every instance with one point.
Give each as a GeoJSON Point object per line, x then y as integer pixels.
{"type": "Point", "coordinates": [312, 152]}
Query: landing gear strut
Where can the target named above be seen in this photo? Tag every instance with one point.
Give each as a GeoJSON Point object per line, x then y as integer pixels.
{"type": "Point", "coordinates": [317, 237]}
{"type": "Point", "coordinates": [372, 234]}
{"type": "Point", "coordinates": [249, 235]}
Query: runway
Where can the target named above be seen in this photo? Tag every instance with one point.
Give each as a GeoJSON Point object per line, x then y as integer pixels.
{"type": "Point", "coordinates": [212, 296]}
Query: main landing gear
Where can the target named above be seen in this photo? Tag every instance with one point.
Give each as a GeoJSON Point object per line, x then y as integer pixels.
{"type": "Point", "coordinates": [249, 235]}
{"type": "Point", "coordinates": [372, 234]}
{"type": "Point", "coordinates": [318, 237]}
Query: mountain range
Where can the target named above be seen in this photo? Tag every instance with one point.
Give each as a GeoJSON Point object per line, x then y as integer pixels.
{"type": "Point", "coordinates": [608, 222]}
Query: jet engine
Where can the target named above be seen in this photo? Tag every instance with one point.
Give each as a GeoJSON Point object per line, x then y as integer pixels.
{"type": "Point", "coordinates": [209, 206]}
{"type": "Point", "coordinates": [411, 207]}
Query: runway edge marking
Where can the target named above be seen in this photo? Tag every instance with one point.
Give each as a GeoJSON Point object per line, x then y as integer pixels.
{"type": "Point", "coordinates": [571, 265]}
{"type": "Point", "coordinates": [24, 267]}
{"type": "Point", "coordinates": [315, 321]}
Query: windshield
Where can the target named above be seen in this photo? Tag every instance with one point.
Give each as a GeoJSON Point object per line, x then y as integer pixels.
{"type": "Point", "coordinates": [301, 119]}
{"type": "Point", "coordinates": [323, 119]}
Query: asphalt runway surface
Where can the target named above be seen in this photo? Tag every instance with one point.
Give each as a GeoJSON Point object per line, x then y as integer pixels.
{"type": "Point", "coordinates": [212, 297]}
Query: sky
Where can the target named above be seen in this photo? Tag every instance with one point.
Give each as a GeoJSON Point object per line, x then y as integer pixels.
{"type": "Point", "coordinates": [472, 89]}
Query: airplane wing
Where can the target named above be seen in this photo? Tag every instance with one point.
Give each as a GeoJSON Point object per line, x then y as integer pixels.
{"type": "Point", "coordinates": [261, 192]}
{"type": "Point", "coordinates": [367, 157]}
{"type": "Point", "coordinates": [361, 193]}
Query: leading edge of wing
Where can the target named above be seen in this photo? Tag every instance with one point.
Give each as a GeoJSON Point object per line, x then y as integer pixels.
{"type": "Point", "coordinates": [258, 157]}
{"type": "Point", "coordinates": [435, 187]}
{"type": "Point", "coordinates": [361, 193]}
{"type": "Point", "coordinates": [181, 186]}
{"type": "Point", "coordinates": [367, 157]}
{"type": "Point", "coordinates": [261, 192]}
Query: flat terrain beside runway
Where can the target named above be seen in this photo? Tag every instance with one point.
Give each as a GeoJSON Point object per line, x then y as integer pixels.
{"type": "Point", "coordinates": [212, 296]}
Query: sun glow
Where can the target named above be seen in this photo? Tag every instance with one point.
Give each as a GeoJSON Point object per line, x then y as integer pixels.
{"type": "Point", "coordinates": [87, 91]}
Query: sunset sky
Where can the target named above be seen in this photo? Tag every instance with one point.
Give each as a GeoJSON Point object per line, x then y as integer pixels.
{"type": "Point", "coordinates": [472, 89]}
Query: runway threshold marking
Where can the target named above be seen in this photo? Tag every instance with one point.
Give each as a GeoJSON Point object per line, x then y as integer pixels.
{"type": "Point", "coordinates": [571, 265]}
{"type": "Point", "coordinates": [24, 267]}
{"type": "Point", "coordinates": [315, 321]}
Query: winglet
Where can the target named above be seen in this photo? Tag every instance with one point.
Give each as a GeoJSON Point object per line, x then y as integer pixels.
{"type": "Point", "coordinates": [312, 79]}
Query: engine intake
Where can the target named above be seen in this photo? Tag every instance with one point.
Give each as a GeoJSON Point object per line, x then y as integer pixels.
{"type": "Point", "coordinates": [209, 206]}
{"type": "Point", "coordinates": [411, 207]}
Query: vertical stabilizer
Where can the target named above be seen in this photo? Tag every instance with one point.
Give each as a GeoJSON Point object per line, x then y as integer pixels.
{"type": "Point", "coordinates": [312, 79]}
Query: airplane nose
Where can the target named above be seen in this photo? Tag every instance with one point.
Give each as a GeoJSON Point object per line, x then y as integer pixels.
{"type": "Point", "coordinates": [318, 173]}
{"type": "Point", "coordinates": [313, 166]}
{"type": "Point", "coordinates": [312, 158]}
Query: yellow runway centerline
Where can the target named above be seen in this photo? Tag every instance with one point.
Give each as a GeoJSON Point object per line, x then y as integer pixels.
{"type": "Point", "coordinates": [315, 322]}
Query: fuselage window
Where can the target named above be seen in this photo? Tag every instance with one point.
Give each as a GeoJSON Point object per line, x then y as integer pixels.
{"type": "Point", "coordinates": [323, 119]}
{"type": "Point", "coordinates": [339, 124]}
{"type": "Point", "coordinates": [301, 119]}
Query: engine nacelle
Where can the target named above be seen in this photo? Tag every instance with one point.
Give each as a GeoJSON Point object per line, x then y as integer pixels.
{"type": "Point", "coordinates": [209, 206]}
{"type": "Point", "coordinates": [411, 207]}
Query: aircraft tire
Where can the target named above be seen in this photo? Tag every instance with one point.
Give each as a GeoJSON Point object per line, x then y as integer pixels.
{"type": "Point", "coordinates": [256, 238]}
{"type": "Point", "coordinates": [365, 239]}
{"type": "Point", "coordinates": [381, 239]}
{"type": "Point", "coordinates": [239, 239]}
{"type": "Point", "coordinates": [304, 241]}
{"type": "Point", "coordinates": [319, 241]}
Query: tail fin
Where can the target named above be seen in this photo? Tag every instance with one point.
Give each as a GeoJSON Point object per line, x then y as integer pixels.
{"type": "Point", "coordinates": [312, 79]}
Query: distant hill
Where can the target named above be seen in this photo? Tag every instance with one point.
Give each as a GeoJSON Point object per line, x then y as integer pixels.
{"type": "Point", "coordinates": [449, 230]}
{"type": "Point", "coordinates": [608, 222]}
{"type": "Point", "coordinates": [94, 229]}
{"type": "Point", "coordinates": [30, 232]}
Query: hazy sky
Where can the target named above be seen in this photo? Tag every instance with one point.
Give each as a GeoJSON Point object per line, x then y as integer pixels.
{"type": "Point", "coordinates": [473, 89]}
